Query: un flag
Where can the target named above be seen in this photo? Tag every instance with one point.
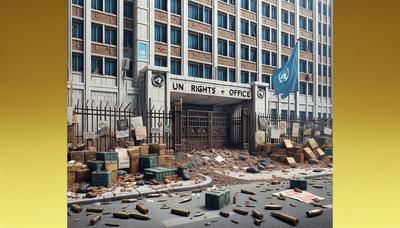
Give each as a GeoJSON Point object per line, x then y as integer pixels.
{"type": "Point", "coordinates": [286, 79]}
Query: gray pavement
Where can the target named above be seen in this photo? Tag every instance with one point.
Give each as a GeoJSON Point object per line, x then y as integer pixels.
{"type": "Point", "coordinates": [163, 217]}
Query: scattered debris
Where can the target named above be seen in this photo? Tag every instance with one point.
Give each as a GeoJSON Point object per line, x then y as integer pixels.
{"type": "Point", "coordinates": [181, 212]}
{"type": "Point", "coordinates": [224, 214]}
{"type": "Point", "coordinates": [95, 219]}
{"type": "Point", "coordinates": [273, 207]}
{"type": "Point", "coordinates": [284, 217]}
{"type": "Point", "coordinates": [240, 211]}
{"type": "Point", "coordinates": [313, 213]}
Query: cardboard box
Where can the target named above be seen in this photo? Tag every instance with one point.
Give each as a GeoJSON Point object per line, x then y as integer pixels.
{"type": "Point", "coordinates": [71, 179]}
{"type": "Point", "coordinates": [312, 143]}
{"type": "Point", "coordinates": [292, 163]}
{"type": "Point", "coordinates": [299, 157]}
{"type": "Point", "coordinates": [144, 149]}
{"type": "Point", "coordinates": [114, 176]}
{"type": "Point", "coordinates": [134, 151]}
{"type": "Point", "coordinates": [288, 144]}
{"type": "Point", "coordinates": [83, 175]}
{"type": "Point", "coordinates": [134, 166]}
{"type": "Point", "coordinates": [110, 166]}
{"type": "Point", "coordinates": [318, 152]}
{"type": "Point", "coordinates": [78, 156]}
{"type": "Point", "coordinates": [161, 160]}
{"type": "Point", "coordinates": [309, 154]}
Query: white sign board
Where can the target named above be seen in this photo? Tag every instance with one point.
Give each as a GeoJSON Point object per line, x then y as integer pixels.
{"type": "Point", "coordinates": [89, 135]}
{"type": "Point", "coordinates": [260, 137]}
{"type": "Point", "coordinates": [282, 127]}
{"type": "Point", "coordinates": [275, 132]}
{"type": "Point", "coordinates": [327, 131]}
{"type": "Point", "coordinates": [122, 134]}
{"type": "Point", "coordinates": [295, 131]}
{"type": "Point", "coordinates": [136, 122]}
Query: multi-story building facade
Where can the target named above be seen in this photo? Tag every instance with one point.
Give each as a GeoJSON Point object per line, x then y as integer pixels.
{"type": "Point", "coordinates": [205, 53]}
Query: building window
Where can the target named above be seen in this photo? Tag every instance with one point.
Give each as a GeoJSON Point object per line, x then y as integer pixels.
{"type": "Point", "coordinates": [310, 89]}
{"type": "Point", "coordinates": [195, 70]}
{"type": "Point", "coordinates": [128, 39]}
{"type": "Point", "coordinates": [160, 32]}
{"type": "Point", "coordinates": [266, 58]}
{"type": "Point", "coordinates": [310, 115]}
{"type": "Point", "coordinates": [329, 71]}
{"type": "Point", "coordinates": [244, 27]}
{"type": "Point", "coordinates": [273, 12]}
{"type": "Point", "coordinates": [310, 46]}
{"type": "Point", "coordinates": [77, 29]}
{"type": "Point", "coordinates": [253, 77]}
{"type": "Point", "coordinates": [319, 7]}
{"type": "Point", "coordinates": [253, 6]}
{"type": "Point", "coordinates": [253, 29]}
{"type": "Point", "coordinates": [160, 61]}
{"type": "Point", "coordinates": [303, 88]}
{"type": "Point", "coordinates": [273, 112]}
{"type": "Point", "coordinates": [232, 2]}
{"type": "Point", "coordinates": [265, 33]}
{"type": "Point", "coordinates": [292, 19]}
{"type": "Point", "coordinates": [199, 13]}
{"type": "Point", "coordinates": [303, 4]}
{"type": "Point", "coordinates": [325, 70]}
{"type": "Point", "coordinates": [77, 62]}
{"type": "Point", "coordinates": [128, 9]}
{"type": "Point", "coordinates": [161, 4]}
{"type": "Point", "coordinates": [244, 52]}
{"type": "Point", "coordinates": [324, 31]}
{"type": "Point", "coordinates": [77, 2]}
{"type": "Point", "coordinates": [222, 74]}
{"type": "Point", "coordinates": [222, 47]}
{"type": "Point", "coordinates": [244, 77]}
{"type": "Point", "coordinates": [176, 66]}
{"type": "Point", "coordinates": [283, 113]}
{"type": "Point", "coordinates": [232, 49]}
{"type": "Point", "coordinates": [285, 39]}
{"type": "Point", "coordinates": [319, 90]}
{"type": "Point", "coordinates": [176, 7]}
{"type": "Point", "coordinates": [97, 33]}
{"type": "Point", "coordinates": [110, 36]}
{"type": "Point", "coordinates": [303, 66]}
{"type": "Point", "coordinates": [292, 40]}
{"type": "Point", "coordinates": [303, 23]}
{"type": "Point", "coordinates": [207, 44]}
{"type": "Point", "coordinates": [207, 71]}
{"type": "Point", "coordinates": [310, 5]}
{"type": "Point", "coordinates": [325, 50]}
{"type": "Point", "coordinates": [231, 75]}
{"type": "Point", "coordinates": [175, 36]}
{"type": "Point", "coordinates": [111, 6]}
{"type": "Point", "coordinates": [325, 91]}
{"type": "Point", "coordinates": [265, 9]}
{"type": "Point", "coordinates": [129, 73]}
{"type": "Point", "coordinates": [111, 67]}
{"type": "Point", "coordinates": [222, 20]}
{"type": "Point", "coordinates": [253, 54]}
{"type": "Point", "coordinates": [310, 67]}
{"type": "Point", "coordinates": [97, 65]}
{"type": "Point", "coordinates": [273, 36]}
{"type": "Point", "coordinates": [310, 25]}
{"type": "Point", "coordinates": [329, 91]}
{"type": "Point", "coordinates": [232, 23]}
{"type": "Point", "coordinates": [266, 78]}
{"type": "Point", "coordinates": [273, 59]}
{"type": "Point", "coordinates": [303, 44]}
{"type": "Point", "coordinates": [245, 4]}
{"type": "Point", "coordinates": [195, 41]}
{"type": "Point", "coordinates": [324, 10]}
{"type": "Point", "coordinates": [97, 5]}
{"type": "Point", "coordinates": [285, 16]}
{"type": "Point", "coordinates": [284, 59]}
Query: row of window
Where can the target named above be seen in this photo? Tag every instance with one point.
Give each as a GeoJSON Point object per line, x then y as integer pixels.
{"type": "Point", "coordinates": [200, 13]}
{"type": "Point", "coordinates": [175, 5]}
{"type": "Point", "coordinates": [108, 6]}
{"type": "Point", "coordinates": [306, 67]}
{"type": "Point", "coordinates": [302, 114]}
{"type": "Point", "coordinates": [226, 48]}
{"type": "Point", "coordinates": [324, 70]}
{"type": "Point", "coordinates": [248, 28]}
{"type": "Point", "coordinates": [110, 65]}
{"type": "Point", "coordinates": [288, 17]}
{"type": "Point", "coordinates": [226, 22]}
{"type": "Point", "coordinates": [324, 29]}
{"type": "Point", "coordinates": [307, 4]}
{"type": "Point", "coordinates": [306, 24]}
{"type": "Point", "coordinates": [198, 41]}
{"type": "Point", "coordinates": [306, 45]}
{"type": "Point", "coordinates": [324, 9]}
{"type": "Point", "coordinates": [268, 10]}
{"type": "Point", "coordinates": [223, 74]}
{"type": "Point", "coordinates": [268, 34]}
{"type": "Point", "coordinates": [248, 53]}
{"type": "Point", "coordinates": [324, 91]}
{"type": "Point", "coordinates": [324, 50]}
{"type": "Point", "coordinates": [249, 5]}
{"type": "Point", "coordinates": [160, 31]}
{"type": "Point", "coordinates": [287, 40]}
{"type": "Point", "coordinates": [109, 37]}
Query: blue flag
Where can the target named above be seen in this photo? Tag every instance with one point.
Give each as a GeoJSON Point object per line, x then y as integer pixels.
{"type": "Point", "coordinates": [286, 79]}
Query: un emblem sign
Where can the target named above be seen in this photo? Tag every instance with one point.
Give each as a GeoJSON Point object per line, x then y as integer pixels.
{"type": "Point", "coordinates": [284, 76]}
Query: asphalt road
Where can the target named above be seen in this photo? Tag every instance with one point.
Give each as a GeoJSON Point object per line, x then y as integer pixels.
{"type": "Point", "coordinates": [164, 218]}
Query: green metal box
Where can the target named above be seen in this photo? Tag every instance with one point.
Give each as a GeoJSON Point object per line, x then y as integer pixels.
{"type": "Point", "coordinates": [107, 156]}
{"type": "Point", "coordinates": [328, 151]}
{"type": "Point", "coordinates": [158, 173]}
{"type": "Point", "coordinates": [95, 165]}
{"type": "Point", "coordinates": [147, 161]}
{"type": "Point", "coordinates": [101, 178]}
{"type": "Point", "coordinates": [218, 199]}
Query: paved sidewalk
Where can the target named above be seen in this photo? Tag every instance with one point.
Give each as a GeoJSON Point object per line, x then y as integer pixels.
{"type": "Point", "coordinates": [132, 192]}
{"type": "Point", "coordinates": [292, 172]}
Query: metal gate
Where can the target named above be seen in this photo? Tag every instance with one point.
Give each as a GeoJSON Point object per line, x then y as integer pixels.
{"type": "Point", "coordinates": [205, 129]}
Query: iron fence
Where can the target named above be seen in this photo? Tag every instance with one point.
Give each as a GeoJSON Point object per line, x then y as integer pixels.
{"type": "Point", "coordinates": [292, 127]}
{"type": "Point", "coordinates": [157, 123]}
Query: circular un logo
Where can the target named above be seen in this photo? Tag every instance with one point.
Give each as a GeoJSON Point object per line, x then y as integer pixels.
{"type": "Point", "coordinates": [158, 80]}
{"type": "Point", "coordinates": [261, 93]}
{"type": "Point", "coordinates": [284, 76]}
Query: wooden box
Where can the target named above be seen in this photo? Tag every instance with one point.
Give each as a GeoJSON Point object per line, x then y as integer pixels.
{"type": "Point", "coordinates": [144, 149]}
{"type": "Point", "coordinates": [318, 152]}
{"type": "Point", "coordinates": [134, 166]}
{"type": "Point", "coordinates": [134, 151]}
{"type": "Point", "coordinates": [288, 144]}
{"type": "Point", "coordinates": [90, 155]}
{"type": "Point", "coordinates": [299, 157]}
{"type": "Point", "coordinates": [292, 163]}
{"type": "Point", "coordinates": [114, 176]}
{"type": "Point", "coordinates": [312, 143]}
{"type": "Point", "coordinates": [308, 153]}
{"type": "Point", "coordinates": [78, 156]}
{"type": "Point", "coordinates": [71, 179]}
{"type": "Point", "coordinates": [110, 166]}
{"type": "Point", "coordinates": [83, 175]}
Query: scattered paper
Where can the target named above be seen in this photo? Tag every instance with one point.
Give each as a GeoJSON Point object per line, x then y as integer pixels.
{"type": "Point", "coordinates": [219, 159]}
{"type": "Point", "coordinates": [303, 196]}
{"type": "Point", "coordinates": [327, 131]}
{"type": "Point", "coordinates": [136, 122]}
{"type": "Point", "coordinates": [275, 132]}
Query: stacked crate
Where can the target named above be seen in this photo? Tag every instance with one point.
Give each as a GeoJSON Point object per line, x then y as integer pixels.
{"type": "Point", "coordinates": [101, 178]}
{"type": "Point", "coordinates": [218, 198]}
{"type": "Point", "coordinates": [95, 165]}
{"type": "Point", "coordinates": [78, 156]}
{"type": "Point", "coordinates": [147, 161]}
{"type": "Point", "coordinates": [134, 153]}
{"type": "Point", "coordinates": [110, 160]}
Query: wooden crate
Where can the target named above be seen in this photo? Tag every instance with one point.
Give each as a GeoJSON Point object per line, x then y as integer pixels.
{"type": "Point", "coordinates": [308, 153]}
{"type": "Point", "coordinates": [71, 179]}
{"type": "Point", "coordinates": [78, 156]}
{"type": "Point", "coordinates": [114, 176]}
{"type": "Point", "coordinates": [95, 165]}
{"type": "Point", "coordinates": [134, 165]}
{"type": "Point", "coordinates": [312, 143]}
{"type": "Point", "coordinates": [83, 175]}
{"type": "Point", "coordinates": [299, 157]}
{"type": "Point", "coordinates": [318, 152]}
{"type": "Point", "coordinates": [90, 155]}
{"type": "Point", "coordinates": [144, 149]}
{"type": "Point", "coordinates": [110, 166]}
{"type": "Point", "coordinates": [134, 151]}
